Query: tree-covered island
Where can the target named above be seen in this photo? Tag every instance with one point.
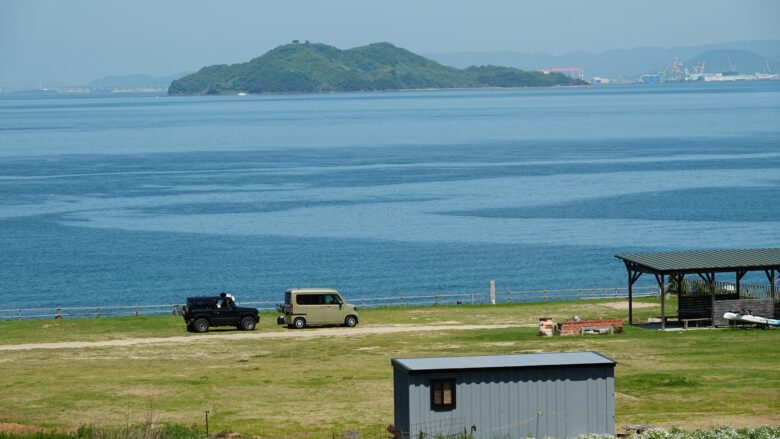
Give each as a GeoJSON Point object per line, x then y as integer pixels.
{"type": "Point", "coordinates": [309, 68]}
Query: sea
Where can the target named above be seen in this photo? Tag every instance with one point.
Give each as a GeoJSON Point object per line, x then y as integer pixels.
{"type": "Point", "coordinates": [127, 199]}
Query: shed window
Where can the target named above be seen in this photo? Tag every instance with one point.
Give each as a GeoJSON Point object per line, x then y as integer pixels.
{"type": "Point", "coordinates": [443, 394]}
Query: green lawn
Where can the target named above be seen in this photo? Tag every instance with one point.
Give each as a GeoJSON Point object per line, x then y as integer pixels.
{"type": "Point", "coordinates": [306, 387]}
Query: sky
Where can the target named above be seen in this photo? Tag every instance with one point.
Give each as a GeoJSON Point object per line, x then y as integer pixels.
{"type": "Point", "coordinates": [75, 41]}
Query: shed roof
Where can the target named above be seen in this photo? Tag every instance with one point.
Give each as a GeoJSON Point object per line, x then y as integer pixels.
{"type": "Point", "coordinates": [517, 361]}
{"type": "Point", "coordinates": [705, 261]}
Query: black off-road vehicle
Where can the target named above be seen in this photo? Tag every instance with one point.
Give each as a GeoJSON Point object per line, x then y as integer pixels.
{"type": "Point", "coordinates": [202, 312]}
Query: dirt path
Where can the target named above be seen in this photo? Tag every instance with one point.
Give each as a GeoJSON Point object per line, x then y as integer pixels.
{"type": "Point", "coordinates": [305, 333]}
{"type": "Point", "coordinates": [624, 305]}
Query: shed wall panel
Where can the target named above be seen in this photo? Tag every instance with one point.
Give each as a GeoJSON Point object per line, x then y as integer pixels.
{"type": "Point", "coordinates": [401, 400]}
{"type": "Point", "coordinates": [556, 402]}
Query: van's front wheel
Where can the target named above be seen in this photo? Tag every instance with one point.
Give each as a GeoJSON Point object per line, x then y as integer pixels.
{"type": "Point", "coordinates": [350, 321]}
{"type": "Point", "coordinates": [299, 323]}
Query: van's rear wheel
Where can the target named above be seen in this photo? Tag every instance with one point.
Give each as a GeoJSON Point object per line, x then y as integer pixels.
{"type": "Point", "coordinates": [350, 321]}
{"type": "Point", "coordinates": [247, 324]}
{"type": "Point", "coordinates": [200, 325]}
{"type": "Point", "coordinates": [299, 323]}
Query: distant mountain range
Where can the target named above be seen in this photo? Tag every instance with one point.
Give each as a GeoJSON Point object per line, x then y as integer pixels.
{"type": "Point", "coordinates": [740, 56]}
{"type": "Point", "coordinates": [746, 57]}
{"type": "Point", "coordinates": [307, 67]}
{"type": "Point", "coordinates": [743, 61]}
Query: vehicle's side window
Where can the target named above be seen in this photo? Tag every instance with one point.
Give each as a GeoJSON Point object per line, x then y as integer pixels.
{"type": "Point", "coordinates": [308, 299]}
{"type": "Point", "coordinates": [443, 394]}
{"type": "Point", "coordinates": [331, 299]}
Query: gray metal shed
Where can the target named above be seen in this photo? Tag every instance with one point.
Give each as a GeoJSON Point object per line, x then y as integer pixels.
{"type": "Point", "coordinates": [515, 396]}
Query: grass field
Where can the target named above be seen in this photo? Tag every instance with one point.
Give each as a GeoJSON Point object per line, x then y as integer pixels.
{"type": "Point", "coordinates": [311, 387]}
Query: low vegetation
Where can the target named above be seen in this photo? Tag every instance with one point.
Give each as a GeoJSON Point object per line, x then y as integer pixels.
{"type": "Point", "coordinates": [307, 68]}
{"type": "Point", "coordinates": [169, 431]}
{"type": "Point", "coordinates": [145, 430]}
{"type": "Point", "coordinates": [720, 432]}
{"type": "Point", "coordinates": [315, 386]}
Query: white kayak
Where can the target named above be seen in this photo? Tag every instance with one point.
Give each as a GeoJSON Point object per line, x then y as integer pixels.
{"type": "Point", "coordinates": [751, 319]}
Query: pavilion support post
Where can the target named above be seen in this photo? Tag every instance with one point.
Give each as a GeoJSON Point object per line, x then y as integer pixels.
{"type": "Point", "coordinates": [711, 280]}
{"type": "Point", "coordinates": [770, 274]}
{"type": "Point", "coordinates": [678, 283]}
{"type": "Point", "coordinates": [630, 299]}
{"type": "Point", "coordinates": [775, 284]}
{"type": "Point", "coordinates": [633, 276]}
{"type": "Point", "coordinates": [740, 275]}
{"type": "Point", "coordinates": [660, 279]}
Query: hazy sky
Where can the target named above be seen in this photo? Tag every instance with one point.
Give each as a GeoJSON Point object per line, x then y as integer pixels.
{"type": "Point", "coordinates": [75, 41]}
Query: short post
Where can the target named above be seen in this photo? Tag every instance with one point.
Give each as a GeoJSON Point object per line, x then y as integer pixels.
{"type": "Point", "coordinates": [136, 311]}
{"type": "Point", "coordinates": [58, 315]}
{"type": "Point", "coordinates": [472, 298]}
{"type": "Point", "coordinates": [207, 423]}
{"type": "Point", "coordinates": [492, 286]}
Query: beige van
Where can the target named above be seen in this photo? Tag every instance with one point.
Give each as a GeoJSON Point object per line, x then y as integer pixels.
{"type": "Point", "coordinates": [316, 307]}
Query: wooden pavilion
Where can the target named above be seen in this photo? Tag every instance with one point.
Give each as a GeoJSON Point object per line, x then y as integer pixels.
{"type": "Point", "coordinates": [706, 264]}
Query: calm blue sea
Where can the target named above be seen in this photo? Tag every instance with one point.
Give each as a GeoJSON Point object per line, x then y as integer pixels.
{"type": "Point", "coordinates": [135, 199]}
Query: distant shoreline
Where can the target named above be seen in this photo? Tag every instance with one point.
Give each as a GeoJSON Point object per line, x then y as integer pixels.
{"type": "Point", "coordinates": [398, 90]}
{"type": "Point", "coordinates": [48, 93]}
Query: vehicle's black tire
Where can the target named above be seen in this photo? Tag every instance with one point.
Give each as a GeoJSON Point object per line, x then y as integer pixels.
{"type": "Point", "coordinates": [299, 323]}
{"type": "Point", "coordinates": [200, 325]}
{"type": "Point", "coordinates": [350, 321]}
{"type": "Point", "coordinates": [247, 324]}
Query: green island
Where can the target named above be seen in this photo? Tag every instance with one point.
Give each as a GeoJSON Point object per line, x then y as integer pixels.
{"type": "Point", "coordinates": [261, 385]}
{"type": "Point", "coordinates": [311, 68]}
